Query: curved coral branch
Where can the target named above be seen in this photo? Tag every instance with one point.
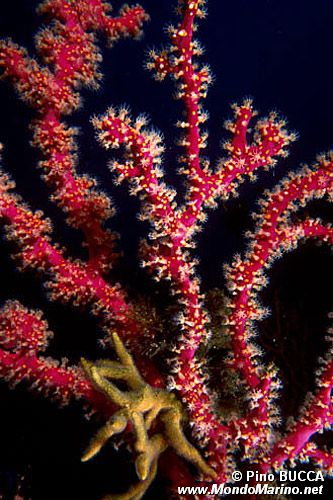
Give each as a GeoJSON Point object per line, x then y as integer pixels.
{"type": "Point", "coordinates": [71, 280]}
{"type": "Point", "coordinates": [271, 237]}
{"type": "Point", "coordinates": [316, 415]}
{"type": "Point", "coordinates": [24, 335]}
{"type": "Point", "coordinates": [69, 50]}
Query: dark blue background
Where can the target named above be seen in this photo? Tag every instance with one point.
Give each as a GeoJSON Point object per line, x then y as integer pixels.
{"type": "Point", "coordinates": [278, 52]}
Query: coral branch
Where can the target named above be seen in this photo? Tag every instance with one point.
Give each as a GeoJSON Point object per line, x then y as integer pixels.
{"type": "Point", "coordinates": [23, 336]}
{"type": "Point", "coordinates": [71, 280]}
{"type": "Point", "coordinates": [271, 238]}
{"type": "Point", "coordinates": [52, 91]}
{"type": "Point", "coordinates": [316, 416]}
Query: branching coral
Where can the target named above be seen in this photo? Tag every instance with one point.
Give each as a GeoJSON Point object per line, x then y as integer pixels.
{"type": "Point", "coordinates": [140, 407]}
{"type": "Point", "coordinates": [68, 60]}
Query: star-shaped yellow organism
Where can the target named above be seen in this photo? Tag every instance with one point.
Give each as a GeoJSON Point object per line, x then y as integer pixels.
{"type": "Point", "coordinates": [140, 406]}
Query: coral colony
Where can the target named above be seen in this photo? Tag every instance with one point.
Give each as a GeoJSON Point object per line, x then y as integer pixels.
{"type": "Point", "coordinates": [154, 406]}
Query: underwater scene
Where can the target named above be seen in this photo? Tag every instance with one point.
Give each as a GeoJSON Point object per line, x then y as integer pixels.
{"type": "Point", "coordinates": [166, 306]}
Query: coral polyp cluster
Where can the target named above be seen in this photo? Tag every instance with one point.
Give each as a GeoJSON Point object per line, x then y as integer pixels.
{"type": "Point", "coordinates": [168, 402]}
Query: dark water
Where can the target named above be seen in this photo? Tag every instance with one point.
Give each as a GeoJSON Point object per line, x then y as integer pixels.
{"type": "Point", "coordinates": [278, 52]}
